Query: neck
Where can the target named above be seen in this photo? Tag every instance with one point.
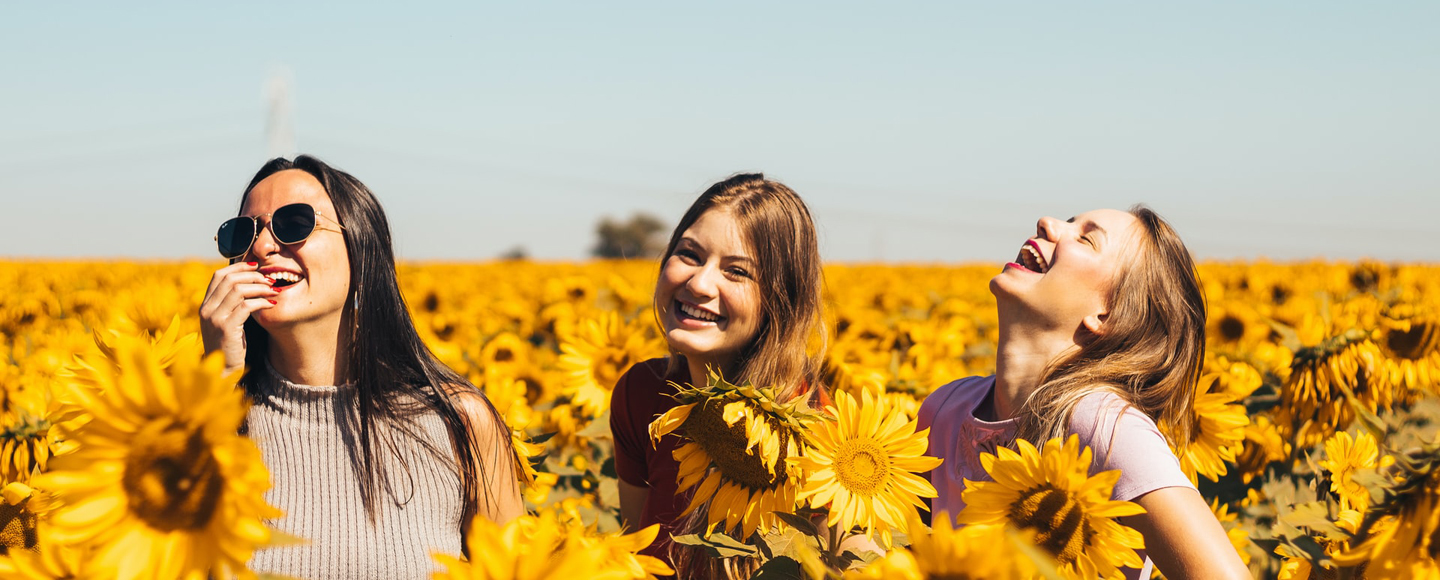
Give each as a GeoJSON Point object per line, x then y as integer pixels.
{"type": "Point", "coordinates": [700, 369]}
{"type": "Point", "coordinates": [312, 354]}
{"type": "Point", "coordinates": [1021, 357]}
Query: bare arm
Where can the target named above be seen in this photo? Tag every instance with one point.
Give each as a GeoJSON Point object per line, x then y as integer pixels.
{"type": "Point", "coordinates": [1183, 537]}
{"type": "Point", "coordinates": [497, 495]}
{"type": "Point", "coordinates": [632, 504]}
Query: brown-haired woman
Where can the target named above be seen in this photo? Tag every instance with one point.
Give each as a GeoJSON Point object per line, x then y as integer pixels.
{"type": "Point", "coordinates": [739, 291]}
{"type": "Point", "coordinates": [1102, 334]}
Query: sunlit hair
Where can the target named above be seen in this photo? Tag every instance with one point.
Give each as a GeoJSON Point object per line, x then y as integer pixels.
{"type": "Point", "coordinates": [395, 375]}
{"type": "Point", "coordinates": [1151, 348]}
{"type": "Point", "coordinates": [780, 235]}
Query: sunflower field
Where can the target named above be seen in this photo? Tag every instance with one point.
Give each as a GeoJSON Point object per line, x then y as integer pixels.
{"type": "Point", "coordinates": [1315, 437]}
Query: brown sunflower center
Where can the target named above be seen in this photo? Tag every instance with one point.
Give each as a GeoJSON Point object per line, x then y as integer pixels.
{"type": "Point", "coordinates": [504, 354]}
{"type": "Point", "coordinates": [17, 527]}
{"type": "Point", "coordinates": [861, 466]}
{"type": "Point", "coordinates": [1058, 520]}
{"type": "Point", "coordinates": [1232, 328]}
{"type": "Point", "coordinates": [1415, 343]}
{"type": "Point", "coordinates": [172, 478]}
{"type": "Point", "coordinates": [725, 444]}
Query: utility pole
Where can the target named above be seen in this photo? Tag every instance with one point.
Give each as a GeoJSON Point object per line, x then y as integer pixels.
{"type": "Point", "coordinates": [279, 124]}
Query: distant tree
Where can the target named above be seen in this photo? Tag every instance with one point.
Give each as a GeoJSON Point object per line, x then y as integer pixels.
{"type": "Point", "coordinates": [515, 253]}
{"type": "Point", "coordinates": [642, 236]}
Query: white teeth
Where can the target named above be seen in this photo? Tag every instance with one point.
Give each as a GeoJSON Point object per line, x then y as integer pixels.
{"type": "Point", "coordinates": [697, 313]}
{"type": "Point", "coordinates": [1033, 258]}
{"type": "Point", "coordinates": [286, 276]}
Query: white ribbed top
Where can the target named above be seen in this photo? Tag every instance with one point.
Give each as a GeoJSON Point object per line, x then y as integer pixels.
{"type": "Point", "coordinates": [306, 449]}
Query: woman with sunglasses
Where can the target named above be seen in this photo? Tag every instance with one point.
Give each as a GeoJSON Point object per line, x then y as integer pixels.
{"type": "Point", "coordinates": [1101, 335]}
{"type": "Point", "coordinates": [379, 454]}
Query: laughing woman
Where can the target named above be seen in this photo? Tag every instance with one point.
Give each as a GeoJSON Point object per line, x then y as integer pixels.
{"type": "Point", "coordinates": [739, 291]}
{"type": "Point", "coordinates": [379, 454]}
{"type": "Point", "coordinates": [1102, 334]}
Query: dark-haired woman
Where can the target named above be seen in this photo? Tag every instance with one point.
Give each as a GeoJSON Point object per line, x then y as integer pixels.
{"type": "Point", "coordinates": [1102, 335]}
{"type": "Point", "coordinates": [378, 453]}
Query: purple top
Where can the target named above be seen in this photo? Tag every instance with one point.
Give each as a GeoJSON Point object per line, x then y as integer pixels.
{"type": "Point", "coordinates": [1119, 437]}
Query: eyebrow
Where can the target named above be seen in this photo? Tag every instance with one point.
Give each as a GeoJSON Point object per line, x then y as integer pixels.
{"type": "Point", "coordinates": [732, 258]}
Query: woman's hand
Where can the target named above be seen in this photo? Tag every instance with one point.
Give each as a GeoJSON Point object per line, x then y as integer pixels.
{"type": "Point", "coordinates": [235, 292]}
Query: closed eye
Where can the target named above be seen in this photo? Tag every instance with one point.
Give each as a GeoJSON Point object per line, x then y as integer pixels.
{"type": "Point", "coordinates": [688, 256]}
{"type": "Point", "coordinates": [738, 272]}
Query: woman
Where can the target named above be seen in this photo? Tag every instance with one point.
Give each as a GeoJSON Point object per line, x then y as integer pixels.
{"type": "Point", "coordinates": [378, 453]}
{"type": "Point", "coordinates": [1101, 334]}
{"type": "Point", "coordinates": [739, 291]}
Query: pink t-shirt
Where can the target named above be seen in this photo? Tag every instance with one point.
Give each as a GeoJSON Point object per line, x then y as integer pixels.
{"type": "Point", "coordinates": [1119, 438]}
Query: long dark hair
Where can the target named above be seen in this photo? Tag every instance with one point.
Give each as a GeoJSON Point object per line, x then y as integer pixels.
{"type": "Point", "coordinates": [395, 376]}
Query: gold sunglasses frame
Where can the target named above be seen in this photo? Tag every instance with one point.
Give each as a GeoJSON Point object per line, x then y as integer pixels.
{"type": "Point", "coordinates": [255, 228]}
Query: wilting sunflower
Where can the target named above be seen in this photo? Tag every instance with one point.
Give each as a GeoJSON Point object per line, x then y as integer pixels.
{"type": "Point", "coordinates": [1344, 457]}
{"type": "Point", "coordinates": [160, 484]}
{"type": "Point", "coordinates": [1217, 434]}
{"type": "Point", "coordinates": [1400, 537]}
{"type": "Point", "coordinates": [598, 352]}
{"type": "Point", "coordinates": [965, 553]}
{"type": "Point", "coordinates": [739, 440]}
{"type": "Point", "coordinates": [546, 547]}
{"type": "Point", "coordinates": [1410, 341]}
{"type": "Point", "coordinates": [1314, 399]}
{"type": "Point", "coordinates": [1071, 513]}
{"type": "Point", "coordinates": [862, 466]}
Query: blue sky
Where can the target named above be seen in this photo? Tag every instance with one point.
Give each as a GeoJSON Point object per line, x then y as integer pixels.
{"type": "Point", "coordinates": [915, 131]}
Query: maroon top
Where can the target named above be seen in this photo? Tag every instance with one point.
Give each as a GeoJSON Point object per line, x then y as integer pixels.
{"type": "Point", "coordinates": [641, 395]}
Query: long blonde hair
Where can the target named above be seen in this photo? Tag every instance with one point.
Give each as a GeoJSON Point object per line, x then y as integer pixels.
{"type": "Point", "coordinates": [780, 234]}
{"type": "Point", "coordinates": [1151, 352]}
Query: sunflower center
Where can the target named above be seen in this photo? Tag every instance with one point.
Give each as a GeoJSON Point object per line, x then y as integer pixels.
{"type": "Point", "coordinates": [172, 478]}
{"type": "Point", "coordinates": [725, 444]}
{"type": "Point", "coordinates": [1414, 343]}
{"type": "Point", "coordinates": [1058, 520]}
{"type": "Point", "coordinates": [17, 527]}
{"type": "Point", "coordinates": [1232, 328]}
{"type": "Point", "coordinates": [861, 466]}
{"type": "Point", "coordinates": [504, 355]}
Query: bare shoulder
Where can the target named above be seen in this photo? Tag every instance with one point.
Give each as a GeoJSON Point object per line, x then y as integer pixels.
{"type": "Point", "coordinates": [473, 407]}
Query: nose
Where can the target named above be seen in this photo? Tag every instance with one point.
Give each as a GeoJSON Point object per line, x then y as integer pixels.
{"type": "Point", "coordinates": [1047, 227]}
{"type": "Point", "coordinates": [702, 283]}
{"type": "Point", "coordinates": [265, 243]}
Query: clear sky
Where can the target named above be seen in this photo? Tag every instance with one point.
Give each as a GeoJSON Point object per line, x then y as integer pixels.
{"type": "Point", "coordinates": [915, 131]}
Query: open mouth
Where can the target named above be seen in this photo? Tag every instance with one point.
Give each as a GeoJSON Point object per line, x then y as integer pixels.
{"type": "Point", "coordinates": [1031, 259]}
{"type": "Point", "coordinates": [283, 279]}
{"type": "Point", "coordinates": [684, 312]}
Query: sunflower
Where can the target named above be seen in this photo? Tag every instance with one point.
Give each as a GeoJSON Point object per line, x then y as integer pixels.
{"type": "Point", "coordinates": [862, 467]}
{"type": "Point", "coordinates": [1410, 341]}
{"type": "Point", "coordinates": [1263, 445]}
{"type": "Point", "coordinates": [1217, 433]}
{"type": "Point", "coordinates": [739, 440]}
{"type": "Point", "coordinates": [1400, 537]}
{"type": "Point", "coordinates": [550, 546]}
{"type": "Point", "coordinates": [597, 353]}
{"type": "Point", "coordinates": [160, 484]}
{"type": "Point", "coordinates": [1315, 398]}
{"type": "Point", "coordinates": [964, 553]}
{"type": "Point", "coordinates": [1071, 513]}
{"type": "Point", "coordinates": [1239, 538]}
{"type": "Point", "coordinates": [1344, 457]}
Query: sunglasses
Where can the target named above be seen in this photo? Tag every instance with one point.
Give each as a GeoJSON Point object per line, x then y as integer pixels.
{"type": "Point", "coordinates": [290, 224]}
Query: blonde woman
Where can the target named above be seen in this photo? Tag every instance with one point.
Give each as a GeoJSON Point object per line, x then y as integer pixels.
{"type": "Point", "coordinates": [739, 291]}
{"type": "Point", "coordinates": [1102, 334]}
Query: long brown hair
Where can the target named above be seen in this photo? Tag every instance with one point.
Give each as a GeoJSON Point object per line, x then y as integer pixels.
{"type": "Point", "coordinates": [1151, 351]}
{"type": "Point", "coordinates": [781, 236]}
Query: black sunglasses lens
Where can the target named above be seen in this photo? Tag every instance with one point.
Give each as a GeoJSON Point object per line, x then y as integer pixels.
{"type": "Point", "coordinates": [293, 223]}
{"type": "Point", "coordinates": [235, 236]}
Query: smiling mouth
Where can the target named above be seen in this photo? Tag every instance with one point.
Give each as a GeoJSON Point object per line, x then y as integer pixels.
{"type": "Point", "coordinates": [283, 279]}
{"type": "Point", "coordinates": [1031, 259]}
{"type": "Point", "coordinates": [685, 311]}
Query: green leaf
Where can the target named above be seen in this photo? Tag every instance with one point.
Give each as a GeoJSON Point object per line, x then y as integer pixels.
{"type": "Point", "coordinates": [718, 545]}
{"type": "Point", "coordinates": [800, 523]}
{"type": "Point", "coordinates": [781, 568]}
{"type": "Point", "coordinates": [598, 427]}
